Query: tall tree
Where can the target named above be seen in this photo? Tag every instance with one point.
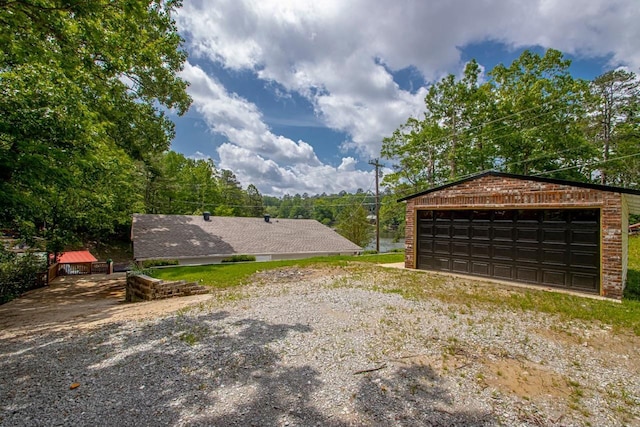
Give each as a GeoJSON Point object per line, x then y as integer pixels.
{"type": "Point", "coordinates": [78, 78]}
{"type": "Point", "coordinates": [354, 225]}
{"type": "Point", "coordinates": [415, 150]}
{"type": "Point", "coordinates": [449, 141]}
{"type": "Point", "coordinates": [254, 201]}
{"type": "Point", "coordinates": [231, 195]}
{"type": "Point", "coordinates": [454, 107]}
{"type": "Point", "coordinates": [614, 123]}
{"type": "Point", "coordinates": [538, 116]}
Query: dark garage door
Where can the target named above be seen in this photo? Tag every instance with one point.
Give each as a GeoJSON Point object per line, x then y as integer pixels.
{"type": "Point", "coordinates": [559, 247]}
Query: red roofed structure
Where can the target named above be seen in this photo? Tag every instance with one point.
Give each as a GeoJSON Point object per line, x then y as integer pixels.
{"type": "Point", "coordinates": [76, 257]}
{"type": "Point", "coordinates": [75, 262]}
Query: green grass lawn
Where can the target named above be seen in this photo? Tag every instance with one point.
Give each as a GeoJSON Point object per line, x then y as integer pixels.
{"type": "Point", "coordinates": [229, 275]}
{"type": "Point", "coordinates": [419, 285]}
{"type": "Point", "coordinates": [632, 290]}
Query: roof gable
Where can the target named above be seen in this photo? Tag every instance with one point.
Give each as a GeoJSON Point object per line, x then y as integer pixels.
{"type": "Point", "coordinates": [183, 236]}
{"type": "Point", "coordinates": [633, 199]}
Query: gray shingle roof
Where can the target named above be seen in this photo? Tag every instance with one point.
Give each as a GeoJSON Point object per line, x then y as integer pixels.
{"type": "Point", "coordinates": [180, 236]}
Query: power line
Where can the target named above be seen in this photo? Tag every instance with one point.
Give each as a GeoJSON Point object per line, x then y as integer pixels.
{"type": "Point", "coordinates": [377, 164]}
{"type": "Point", "coordinates": [562, 105]}
{"type": "Point", "coordinates": [588, 164]}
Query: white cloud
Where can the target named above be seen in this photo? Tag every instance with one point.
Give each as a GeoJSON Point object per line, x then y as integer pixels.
{"type": "Point", "coordinates": [275, 164]}
{"type": "Point", "coordinates": [331, 52]}
{"type": "Point", "coordinates": [198, 155]}
{"type": "Point", "coordinates": [326, 50]}
{"type": "Point", "coordinates": [240, 121]}
{"type": "Point", "coordinates": [278, 180]}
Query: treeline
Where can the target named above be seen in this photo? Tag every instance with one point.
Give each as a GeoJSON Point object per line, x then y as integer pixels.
{"type": "Point", "coordinates": [331, 209]}
{"type": "Point", "coordinates": [84, 91]}
{"type": "Point", "coordinates": [182, 186]}
{"type": "Point", "coordinates": [530, 117]}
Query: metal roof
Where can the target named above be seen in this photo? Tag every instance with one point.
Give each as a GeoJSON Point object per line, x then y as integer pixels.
{"type": "Point", "coordinates": [186, 236]}
{"type": "Point", "coordinates": [76, 257]}
{"type": "Point", "coordinates": [632, 196]}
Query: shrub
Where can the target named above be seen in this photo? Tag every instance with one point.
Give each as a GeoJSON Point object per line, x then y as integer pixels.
{"type": "Point", "coordinates": [239, 258]}
{"type": "Point", "coordinates": [158, 262]}
{"type": "Point", "coordinates": [369, 252]}
{"type": "Point", "coordinates": [18, 273]}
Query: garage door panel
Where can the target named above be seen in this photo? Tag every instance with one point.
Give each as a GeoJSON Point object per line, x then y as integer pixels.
{"type": "Point", "coordinates": [584, 281]}
{"type": "Point", "coordinates": [480, 250]}
{"type": "Point", "coordinates": [554, 235]}
{"type": "Point", "coordinates": [583, 259]}
{"type": "Point", "coordinates": [426, 261]}
{"type": "Point", "coordinates": [442, 247]}
{"type": "Point", "coordinates": [503, 233]}
{"type": "Point", "coordinates": [442, 230]}
{"type": "Point", "coordinates": [460, 265]}
{"type": "Point", "coordinates": [425, 246]}
{"type": "Point", "coordinates": [480, 268]}
{"type": "Point", "coordinates": [528, 255]}
{"type": "Point", "coordinates": [550, 247]}
{"type": "Point", "coordinates": [459, 231]}
{"type": "Point", "coordinates": [554, 277]}
{"type": "Point", "coordinates": [502, 271]}
{"type": "Point", "coordinates": [482, 232]}
{"type": "Point", "coordinates": [503, 252]}
{"type": "Point", "coordinates": [426, 230]}
{"type": "Point", "coordinates": [442, 263]}
{"type": "Point", "coordinates": [584, 236]}
{"type": "Point", "coordinates": [585, 216]}
{"type": "Point", "coordinates": [527, 234]}
{"type": "Point", "coordinates": [526, 274]}
{"type": "Point", "coordinates": [460, 249]}
{"type": "Point", "coordinates": [554, 256]}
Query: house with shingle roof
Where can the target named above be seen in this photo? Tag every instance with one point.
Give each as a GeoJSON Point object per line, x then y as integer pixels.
{"type": "Point", "coordinates": [192, 239]}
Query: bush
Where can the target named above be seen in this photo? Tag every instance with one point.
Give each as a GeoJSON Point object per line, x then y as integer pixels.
{"type": "Point", "coordinates": [158, 262]}
{"type": "Point", "coordinates": [239, 258]}
{"type": "Point", "coordinates": [18, 273]}
{"type": "Point", "coordinates": [632, 289]}
{"type": "Point", "coordinates": [369, 252]}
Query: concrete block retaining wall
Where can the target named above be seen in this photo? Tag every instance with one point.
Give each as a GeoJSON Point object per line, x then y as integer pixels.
{"type": "Point", "coordinates": [145, 288]}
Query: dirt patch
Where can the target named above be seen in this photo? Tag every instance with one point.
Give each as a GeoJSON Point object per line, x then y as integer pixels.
{"type": "Point", "coordinates": [80, 302]}
{"type": "Point", "coordinates": [526, 379]}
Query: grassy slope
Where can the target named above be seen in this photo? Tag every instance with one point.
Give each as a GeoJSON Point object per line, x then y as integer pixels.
{"type": "Point", "coordinates": [632, 290]}
{"type": "Point", "coordinates": [229, 275]}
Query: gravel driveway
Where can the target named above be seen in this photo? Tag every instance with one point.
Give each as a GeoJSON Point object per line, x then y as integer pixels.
{"type": "Point", "coordinates": [333, 347]}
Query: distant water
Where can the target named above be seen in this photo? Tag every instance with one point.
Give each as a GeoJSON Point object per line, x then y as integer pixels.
{"type": "Point", "coordinates": [386, 244]}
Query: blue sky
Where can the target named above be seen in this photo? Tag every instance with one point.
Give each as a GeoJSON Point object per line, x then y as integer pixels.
{"type": "Point", "coordinates": [296, 96]}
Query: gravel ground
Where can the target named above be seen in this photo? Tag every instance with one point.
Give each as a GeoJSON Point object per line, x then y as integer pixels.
{"type": "Point", "coordinates": [324, 348]}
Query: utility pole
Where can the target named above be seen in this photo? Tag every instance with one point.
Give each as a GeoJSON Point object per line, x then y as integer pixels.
{"type": "Point", "coordinates": [377, 164]}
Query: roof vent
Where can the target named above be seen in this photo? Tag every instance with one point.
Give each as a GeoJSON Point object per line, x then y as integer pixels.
{"type": "Point", "coordinates": [206, 215]}
{"type": "Point", "coordinates": [267, 218]}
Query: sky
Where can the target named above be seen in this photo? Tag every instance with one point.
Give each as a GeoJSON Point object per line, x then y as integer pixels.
{"type": "Point", "coordinates": [295, 96]}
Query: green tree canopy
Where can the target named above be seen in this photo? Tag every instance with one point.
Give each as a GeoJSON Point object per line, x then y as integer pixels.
{"type": "Point", "coordinates": [354, 225]}
{"type": "Point", "coordinates": [614, 126]}
{"type": "Point", "coordinates": [83, 90]}
{"type": "Point", "coordinates": [527, 118]}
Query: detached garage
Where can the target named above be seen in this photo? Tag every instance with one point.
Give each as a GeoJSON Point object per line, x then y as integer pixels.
{"type": "Point", "coordinates": [525, 229]}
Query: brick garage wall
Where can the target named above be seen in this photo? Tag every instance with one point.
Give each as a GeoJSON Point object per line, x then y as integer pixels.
{"type": "Point", "coordinates": [488, 192]}
{"type": "Point", "coordinates": [145, 288]}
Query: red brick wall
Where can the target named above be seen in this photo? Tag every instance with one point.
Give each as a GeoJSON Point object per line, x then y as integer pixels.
{"type": "Point", "coordinates": [502, 192]}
